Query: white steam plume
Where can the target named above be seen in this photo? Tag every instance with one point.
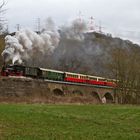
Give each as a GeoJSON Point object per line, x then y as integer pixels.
{"type": "Point", "coordinates": [26, 45]}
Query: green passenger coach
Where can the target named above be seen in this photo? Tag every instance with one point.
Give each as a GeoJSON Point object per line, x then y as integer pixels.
{"type": "Point", "coordinates": [52, 74]}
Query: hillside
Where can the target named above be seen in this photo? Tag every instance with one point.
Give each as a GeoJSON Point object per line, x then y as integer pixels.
{"type": "Point", "coordinates": [89, 56]}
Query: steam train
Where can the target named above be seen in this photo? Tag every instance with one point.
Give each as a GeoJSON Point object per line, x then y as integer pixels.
{"type": "Point", "coordinates": [41, 73]}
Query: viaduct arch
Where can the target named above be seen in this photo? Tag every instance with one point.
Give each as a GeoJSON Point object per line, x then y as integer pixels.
{"type": "Point", "coordinates": [98, 93]}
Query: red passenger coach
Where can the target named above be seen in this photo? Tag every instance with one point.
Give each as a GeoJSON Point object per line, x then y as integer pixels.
{"type": "Point", "coordinates": [94, 80]}
{"type": "Point", "coordinates": [73, 77]}
{"type": "Point", "coordinates": [87, 79]}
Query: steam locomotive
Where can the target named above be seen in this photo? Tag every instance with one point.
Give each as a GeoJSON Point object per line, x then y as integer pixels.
{"type": "Point", "coordinates": [41, 73]}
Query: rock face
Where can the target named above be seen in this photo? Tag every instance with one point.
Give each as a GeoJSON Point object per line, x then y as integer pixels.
{"type": "Point", "coordinates": [22, 89]}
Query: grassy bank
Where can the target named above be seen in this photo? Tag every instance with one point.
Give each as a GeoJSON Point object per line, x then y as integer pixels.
{"type": "Point", "coordinates": [69, 122]}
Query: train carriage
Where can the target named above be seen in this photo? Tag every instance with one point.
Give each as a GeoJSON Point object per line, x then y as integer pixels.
{"type": "Point", "coordinates": [52, 74]}
{"type": "Point", "coordinates": [95, 80]}
{"type": "Point", "coordinates": [32, 72]}
{"type": "Point", "coordinates": [111, 82]}
{"type": "Point", "coordinates": [74, 77]}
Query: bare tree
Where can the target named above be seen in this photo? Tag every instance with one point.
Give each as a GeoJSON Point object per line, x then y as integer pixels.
{"type": "Point", "coordinates": [125, 68]}
{"type": "Point", "coordinates": [3, 29]}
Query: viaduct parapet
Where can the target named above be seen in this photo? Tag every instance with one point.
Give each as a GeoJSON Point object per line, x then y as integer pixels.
{"type": "Point", "coordinates": [33, 90]}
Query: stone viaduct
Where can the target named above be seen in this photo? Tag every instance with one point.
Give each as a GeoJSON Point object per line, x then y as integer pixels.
{"type": "Point", "coordinates": [32, 89]}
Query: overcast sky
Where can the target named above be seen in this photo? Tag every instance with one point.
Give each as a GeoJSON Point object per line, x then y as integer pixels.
{"type": "Point", "coordinates": [119, 17]}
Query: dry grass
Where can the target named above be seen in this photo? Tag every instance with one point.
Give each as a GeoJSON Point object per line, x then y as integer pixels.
{"type": "Point", "coordinates": [51, 100]}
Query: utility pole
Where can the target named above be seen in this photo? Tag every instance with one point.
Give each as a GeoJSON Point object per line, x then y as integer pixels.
{"type": "Point", "coordinates": [7, 28]}
{"type": "Point", "coordinates": [38, 25]}
{"type": "Point", "coordinates": [100, 27]}
{"type": "Point", "coordinates": [18, 27]}
{"type": "Point", "coordinates": [91, 24]}
{"type": "Point", "coordinates": [80, 16]}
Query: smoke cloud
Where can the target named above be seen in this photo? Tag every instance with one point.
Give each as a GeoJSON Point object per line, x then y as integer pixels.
{"type": "Point", "coordinates": [27, 45]}
{"type": "Point", "coordinates": [74, 31]}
